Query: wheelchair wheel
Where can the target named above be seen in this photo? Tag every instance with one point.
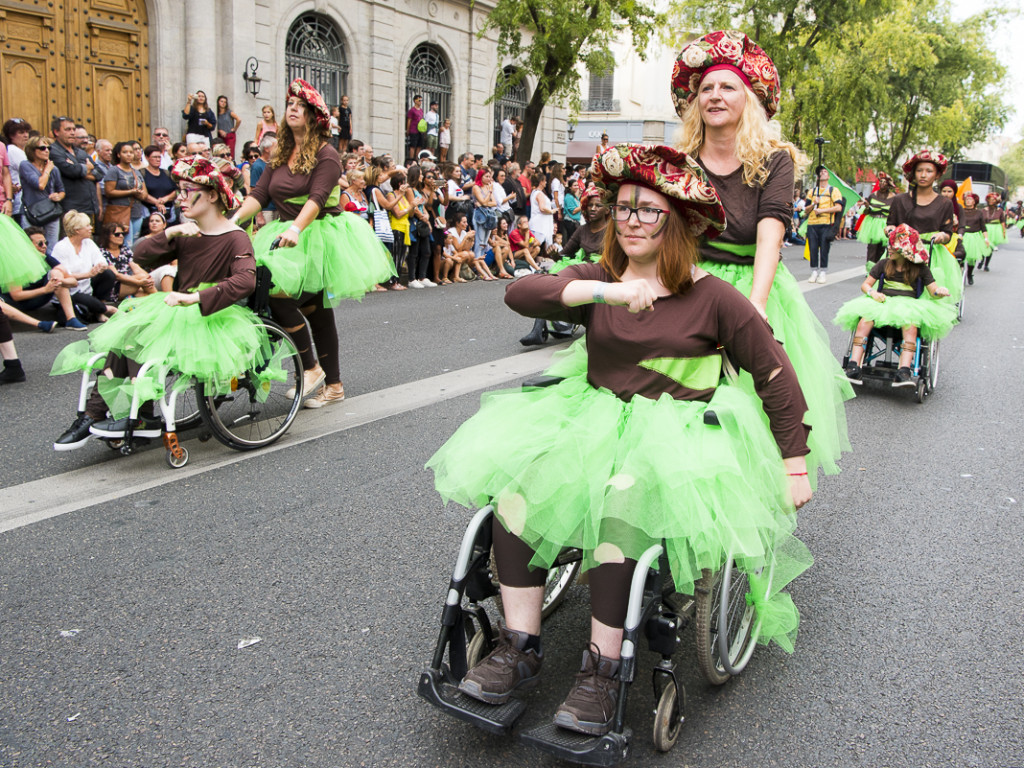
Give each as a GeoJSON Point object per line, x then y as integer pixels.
{"type": "Point", "coordinates": [668, 719]}
{"type": "Point", "coordinates": [963, 295]}
{"type": "Point", "coordinates": [186, 408]}
{"type": "Point", "coordinates": [480, 644]}
{"type": "Point", "coordinates": [724, 629]}
{"type": "Point", "coordinates": [254, 413]}
{"type": "Point", "coordinates": [933, 363]}
{"type": "Point", "coordinates": [560, 577]}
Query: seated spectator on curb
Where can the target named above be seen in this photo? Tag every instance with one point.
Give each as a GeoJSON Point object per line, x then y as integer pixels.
{"type": "Point", "coordinates": [458, 250]}
{"type": "Point", "coordinates": [132, 280]}
{"type": "Point", "coordinates": [525, 247]}
{"type": "Point", "coordinates": [80, 257]}
{"type": "Point", "coordinates": [502, 250]}
{"type": "Point", "coordinates": [54, 285]}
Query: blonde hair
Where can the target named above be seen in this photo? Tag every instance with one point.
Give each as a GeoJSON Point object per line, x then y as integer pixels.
{"type": "Point", "coordinates": [354, 174]}
{"type": "Point", "coordinates": [316, 136]}
{"type": "Point", "coordinates": [34, 143]}
{"type": "Point", "coordinates": [74, 221]}
{"type": "Point", "coordinates": [757, 139]}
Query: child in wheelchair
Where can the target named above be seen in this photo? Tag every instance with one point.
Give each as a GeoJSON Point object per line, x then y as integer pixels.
{"type": "Point", "coordinates": [198, 329]}
{"type": "Point", "coordinates": [622, 454]}
{"type": "Point", "coordinates": [902, 277]}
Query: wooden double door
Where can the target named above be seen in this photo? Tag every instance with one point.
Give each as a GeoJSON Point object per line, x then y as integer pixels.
{"type": "Point", "coordinates": [84, 59]}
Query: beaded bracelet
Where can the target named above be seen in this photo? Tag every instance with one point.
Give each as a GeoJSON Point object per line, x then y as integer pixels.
{"type": "Point", "coordinates": [797, 474]}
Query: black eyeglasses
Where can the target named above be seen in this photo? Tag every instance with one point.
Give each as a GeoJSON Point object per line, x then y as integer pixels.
{"type": "Point", "coordinates": [645, 215]}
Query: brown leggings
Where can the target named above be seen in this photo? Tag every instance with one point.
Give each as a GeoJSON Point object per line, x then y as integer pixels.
{"type": "Point", "coordinates": [609, 582]}
{"type": "Point", "coordinates": [292, 315]}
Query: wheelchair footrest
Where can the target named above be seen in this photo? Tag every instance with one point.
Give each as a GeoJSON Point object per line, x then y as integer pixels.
{"type": "Point", "coordinates": [610, 749]}
{"type": "Point", "coordinates": [492, 718]}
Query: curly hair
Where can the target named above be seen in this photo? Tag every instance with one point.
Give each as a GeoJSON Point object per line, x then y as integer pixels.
{"type": "Point", "coordinates": [316, 136]}
{"type": "Point", "coordinates": [757, 139]}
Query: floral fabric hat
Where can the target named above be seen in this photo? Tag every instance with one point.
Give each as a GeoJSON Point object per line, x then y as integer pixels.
{"type": "Point", "coordinates": [312, 97]}
{"type": "Point", "coordinates": [202, 172]}
{"type": "Point", "coordinates": [925, 156]}
{"type": "Point", "coordinates": [725, 49]}
{"type": "Point", "coordinates": [977, 199]}
{"type": "Point", "coordinates": [906, 242]}
{"type": "Point", "coordinates": [667, 171]}
{"type": "Point", "coordinates": [885, 180]}
{"type": "Point", "coordinates": [592, 190]}
{"type": "Point", "coordinates": [992, 196]}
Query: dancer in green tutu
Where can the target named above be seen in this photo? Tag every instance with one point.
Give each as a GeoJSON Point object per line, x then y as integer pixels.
{"type": "Point", "coordinates": [995, 225]}
{"type": "Point", "coordinates": [898, 302]}
{"type": "Point", "coordinates": [931, 215]}
{"type": "Point", "coordinates": [973, 234]}
{"type": "Point", "coordinates": [876, 210]}
{"type": "Point", "coordinates": [726, 89]}
{"type": "Point", "coordinates": [317, 253]}
{"type": "Point", "coordinates": [618, 456]}
{"type": "Point", "coordinates": [199, 329]}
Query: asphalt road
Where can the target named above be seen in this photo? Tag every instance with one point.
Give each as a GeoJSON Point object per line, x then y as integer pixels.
{"type": "Point", "coordinates": [120, 621]}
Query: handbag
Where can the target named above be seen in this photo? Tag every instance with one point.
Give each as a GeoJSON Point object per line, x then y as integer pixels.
{"type": "Point", "coordinates": [43, 212]}
{"type": "Point", "coordinates": [422, 229]}
{"type": "Point", "coordinates": [381, 223]}
{"type": "Point", "coordinates": [118, 214]}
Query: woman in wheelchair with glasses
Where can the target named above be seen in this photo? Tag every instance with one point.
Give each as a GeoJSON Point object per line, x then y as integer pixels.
{"type": "Point", "coordinates": [902, 277]}
{"type": "Point", "coordinates": [620, 455]}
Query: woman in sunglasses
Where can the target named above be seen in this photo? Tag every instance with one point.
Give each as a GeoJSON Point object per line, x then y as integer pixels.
{"type": "Point", "coordinates": [132, 280]}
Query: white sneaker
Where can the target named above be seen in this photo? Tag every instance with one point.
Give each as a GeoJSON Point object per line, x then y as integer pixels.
{"type": "Point", "coordinates": [814, 277]}
{"type": "Point", "coordinates": [427, 283]}
{"type": "Point", "coordinates": [821, 278]}
{"type": "Point", "coordinates": [415, 284]}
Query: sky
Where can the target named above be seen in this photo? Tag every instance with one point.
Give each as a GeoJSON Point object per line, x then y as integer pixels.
{"type": "Point", "coordinates": [1003, 42]}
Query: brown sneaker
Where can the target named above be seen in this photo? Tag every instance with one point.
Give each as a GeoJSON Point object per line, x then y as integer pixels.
{"type": "Point", "coordinates": [329, 393]}
{"type": "Point", "coordinates": [506, 669]}
{"type": "Point", "coordinates": [590, 706]}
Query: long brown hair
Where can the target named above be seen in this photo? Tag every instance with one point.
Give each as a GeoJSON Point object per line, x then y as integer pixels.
{"type": "Point", "coordinates": [676, 257]}
{"type": "Point", "coordinates": [911, 271]}
{"type": "Point", "coordinates": [316, 136]}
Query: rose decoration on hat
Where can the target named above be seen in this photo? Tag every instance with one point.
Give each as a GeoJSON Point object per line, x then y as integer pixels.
{"type": "Point", "coordinates": [202, 172]}
{"type": "Point", "coordinates": [312, 97]}
{"type": "Point", "coordinates": [725, 49]}
{"type": "Point", "coordinates": [924, 156]}
{"type": "Point", "coordinates": [906, 242]}
{"type": "Point", "coordinates": [668, 171]}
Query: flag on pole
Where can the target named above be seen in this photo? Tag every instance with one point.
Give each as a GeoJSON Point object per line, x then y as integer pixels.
{"type": "Point", "coordinates": [966, 187]}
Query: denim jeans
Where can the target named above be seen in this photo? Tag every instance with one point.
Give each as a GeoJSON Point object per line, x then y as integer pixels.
{"type": "Point", "coordinates": [819, 243]}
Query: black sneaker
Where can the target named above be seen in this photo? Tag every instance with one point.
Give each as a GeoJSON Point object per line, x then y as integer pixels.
{"type": "Point", "coordinates": [111, 428]}
{"type": "Point", "coordinates": [854, 374]}
{"type": "Point", "coordinates": [903, 378]}
{"type": "Point", "coordinates": [506, 669]}
{"type": "Point", "coordinates": [76, 435]}
{"type": "Point", "coordinates": [970, 279]}
{"type": "Point", "coordinates": [12, 372]}
{"type": "Point", "coordinates": [590, 706]}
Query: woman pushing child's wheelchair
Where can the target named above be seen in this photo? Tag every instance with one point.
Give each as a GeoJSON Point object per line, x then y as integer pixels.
{"type": "Point", "coordinates": [621, 455]}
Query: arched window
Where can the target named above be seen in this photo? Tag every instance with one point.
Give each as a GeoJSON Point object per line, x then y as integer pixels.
{"type": "Point", "coordinates": [315, 52]}
{"type": "Point", "coordinates": [429, 76]}
{"type": "Point", "coordinates": [511, 103]}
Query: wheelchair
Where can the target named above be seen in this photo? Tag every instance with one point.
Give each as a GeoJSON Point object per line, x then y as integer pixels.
{"type": "Point", "coordinates": [255, 412]}
{"type": "Point", "coordinates": [882, 355]}
{"type": "Point", "coordinates": [726, 622]}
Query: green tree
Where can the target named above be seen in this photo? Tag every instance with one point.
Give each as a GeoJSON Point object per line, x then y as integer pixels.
{"type": "Point", "coordinates": [563, 34]}
{"type": "Point", "coordinates": [1012, 162]}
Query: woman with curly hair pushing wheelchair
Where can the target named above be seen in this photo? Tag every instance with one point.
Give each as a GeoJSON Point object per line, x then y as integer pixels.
{"type": "Point", "coordinates": [619, 456]}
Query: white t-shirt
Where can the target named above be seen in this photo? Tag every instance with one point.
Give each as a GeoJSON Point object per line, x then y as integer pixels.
{"type": "Point", "coordinates": [433, 122]}
{"type": "Point", "coordinates": [17, 157]}
{"type": "Point", "coordinates": [557, 193]}
{"type": "Point", "coordinates": [507, 131]}
{"type": "Point", "coordinates": [83, 261]}
{"type": "Point", "coordinates": [446, 137]}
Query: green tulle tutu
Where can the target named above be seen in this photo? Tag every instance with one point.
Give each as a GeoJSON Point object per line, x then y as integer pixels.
{"type": "Point", "coordinates": [822, 380]}
{"type": "Point", "coordinates": [20, 262]}
{"type": "Point", "coordinates": [872, 230]}
{"type": "Point", "coordinates": [581, 257]}
{"type": "Point", "coordinates": [974, 247]}
{"type": "Point", "coordinates": [338, 254]}
{"type": "Point", "coordinates": [213, 349]}
{"type": "Point", "coordinates": [995, 233]}
{"type": "Point", "coordinates": [574, 466]}
{"type": "Point", "coordinates": [945, 270]}
{"type": "Point", "coordinates": [934, 318]}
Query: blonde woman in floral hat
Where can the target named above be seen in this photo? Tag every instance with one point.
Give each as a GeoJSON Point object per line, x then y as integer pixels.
{"type": "Point", "coordinates": [726, 90]}
{"type": "Point", "coordinates": [636, 464]}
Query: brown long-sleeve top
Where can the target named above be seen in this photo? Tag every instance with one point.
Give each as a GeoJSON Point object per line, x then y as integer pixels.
{"type": "Point", "coordinates": [280, 185]}
{"type": "Point", "coordinates": [709, 315]}
{"type": "Point", "coordinates": [226, 259]}
{"type": "Point", "coordinates": [994, 214]}
{"type": "Point", "coordinates": [586, 239]}
{"type": "Point", "coordinates": [746, 206]}
{"type": "Point", "coordinates": [971, 220]}
{"type": "Point", "coordinates": [937, 216]}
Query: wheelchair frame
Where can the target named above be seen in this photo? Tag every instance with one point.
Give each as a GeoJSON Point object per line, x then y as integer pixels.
{"type": "Point", "coordinates": [881, 359]}
{"type": "Point", "coordinates": [211, 409]}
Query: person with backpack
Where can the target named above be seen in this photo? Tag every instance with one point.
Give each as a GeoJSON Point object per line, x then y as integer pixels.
{"type": "Point", "coordinates": [826, 209]}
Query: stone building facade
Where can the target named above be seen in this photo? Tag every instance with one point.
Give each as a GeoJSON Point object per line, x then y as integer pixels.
{"type": "Point", "coordinates": [124, 66]}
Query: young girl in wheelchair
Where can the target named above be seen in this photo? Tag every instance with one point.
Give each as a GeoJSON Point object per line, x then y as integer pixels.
{"type": "Point", "coordinates": [903, 278]}
{"type": "Point", "coordinates": [620, 456]}
{"type": "Point", "coordinates": [198, 329]}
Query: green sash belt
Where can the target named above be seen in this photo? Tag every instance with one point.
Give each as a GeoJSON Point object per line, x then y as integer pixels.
{"type": "Point", "coordinates": [735, 249]}
{"type": "Point", "coordinates": [691, 372]}
{"type": "Point", "coordinates": [332, 201]}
